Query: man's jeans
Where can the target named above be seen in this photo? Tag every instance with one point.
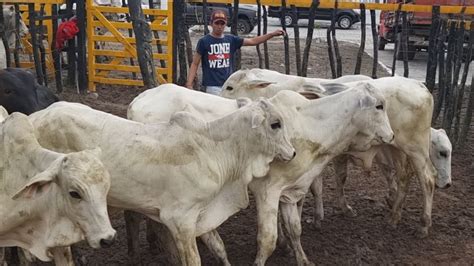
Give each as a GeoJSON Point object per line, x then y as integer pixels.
{"type": "Point", "coordinates": [216, 90]}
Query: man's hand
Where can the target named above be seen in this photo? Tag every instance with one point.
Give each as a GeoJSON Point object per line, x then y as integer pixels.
{"type": "Point", "coordinates": [278, 32]}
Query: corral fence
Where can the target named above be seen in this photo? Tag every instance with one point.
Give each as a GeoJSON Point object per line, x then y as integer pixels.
{"type": "Point", "coordinates": [107, 47]}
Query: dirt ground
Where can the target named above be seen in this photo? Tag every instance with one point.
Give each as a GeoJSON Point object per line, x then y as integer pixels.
{"type": "Point", "coordinates": [365, 239]}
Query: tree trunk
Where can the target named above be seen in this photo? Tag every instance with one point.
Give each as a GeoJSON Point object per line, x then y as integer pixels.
{"type": "Point", "coordinates": [375, 40]}
{"type": "Point", "coordinates": [397, 46]}
{"type": "Point", "coordinates": [362, 39]}
{"type": "Point", "coordinates": [432, 51]}
{"type": "Point", "coordinates": [143, 37]}
{"type": "Point", "coordinates": [285, 38]}
{"type": "Point", "coordinates": [297, 41]}
{"type": "Point", "coordinates": [309, 37]}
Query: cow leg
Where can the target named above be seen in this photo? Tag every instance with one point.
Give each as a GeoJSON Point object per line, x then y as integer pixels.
{"type": "Point", "coordinates": [267, 212]}
{"type": "Point", "coordinates": [317, 191]}
{"type": "Point", "coordinates": [62, 256]}
{"type": "Point", "coordinates": [164, 241]}
{"type": "Point", "coordinates": [292, 226]}
{"type": "Point", "coordinates": [214, 243]}
{"type": "Point", "coordinates": [132, 225]}
{"type": "Point", "coordinates": [340, 169]}
{"type": "Point", "coordinates": [426, 174]}
{"type": "Point", "coordinates": [3, 261]}
{"type": "Point", "coordinates": [151, 235]}
{"type": "Point", "coordinates": [183, 232]}
{"type": "Point", "coordinates": [404, 176]}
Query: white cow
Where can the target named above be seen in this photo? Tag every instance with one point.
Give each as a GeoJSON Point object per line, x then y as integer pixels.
{"type": "Point", "coordinates": [319, 130]}
{"type": "Point", "coordinates": [49, 200]}
{"type": "Point", "coordinates": [427, 150]}
{"type": "Point", "coordinates": [188, 174]}
{"type": "Point", "coordinates": [10, 26]}
{"type": "Point", "coordinates": [409, 107]}
{"type": "Point", "coordinates": [256, 82]}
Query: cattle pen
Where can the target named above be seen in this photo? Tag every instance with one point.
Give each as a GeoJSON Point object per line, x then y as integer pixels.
{"type": "Point", "coordinates": [100, 67]}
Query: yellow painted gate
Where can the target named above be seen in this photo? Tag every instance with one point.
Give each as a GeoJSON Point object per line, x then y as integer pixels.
{"type": "Point", "coordinates": [111, 51]}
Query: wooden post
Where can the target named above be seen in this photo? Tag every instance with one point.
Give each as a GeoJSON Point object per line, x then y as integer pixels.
{"type": "Point", "coordinates": [297, 41]}
{"type": "Point", "coordinates": [467, 119]}
{"type": "Point", "coordinates": [285, 37]}
{"type": "Point", "coordinates": [467, 62]}
{"type": "Point", "coordinates": [159, 47]}
{"type": "Point", "coordinates": [259, 32]}
{"type": "Point", "coordinates": [397, 46]}
{"type": "Point", "coordinates": [41, 45]}
{"type": "Point", "coordinates": [309, 37]}
{"type": "Point", "coordinates": [362, 39]}
{"type": "Point", "coordinates": [81, 46]}
{"type": "Point", "coordinates": [130, 34]}
{"type": "Point", "coordinates": [204, 17]}
{"type": "Point", "coordinates": [265, 44]}
{"type": "Point", "coordinates": [336, 45]}
{"type": "Point", "coordinates": [449, 76]}
{"type": "Point", "coordinates": [404, 41]}
{"type": "Point", "coordinates": [34, 43]}
{"type": "Point", "coordinates": [432, 51]}
{"type": "Point", "coordinates": [55, 51]}
{"type": "Point", "coordinates": [3, 36]}
{"type": "Point", "coordinates": [376, 41]}
{"type": "Point", "coordinates": [235, 20]}
{"type": "Point", "coordinates": [442, 70]}
{"type": "Point", "coordinates": [71, 51]}
{"type": "Point", "coordinates": [143, 38]}
{"type": "Point", "coordinates": [16, 53]}
{"type": "Point", "coordinates": [330, 45]}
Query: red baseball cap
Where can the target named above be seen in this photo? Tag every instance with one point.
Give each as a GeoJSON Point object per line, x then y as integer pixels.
{"type": "Point", "coordinates": [218, 15]}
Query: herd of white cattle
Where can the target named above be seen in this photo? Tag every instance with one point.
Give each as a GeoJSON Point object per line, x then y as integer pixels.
{"type": "Point", "coordinates": [186, 159]}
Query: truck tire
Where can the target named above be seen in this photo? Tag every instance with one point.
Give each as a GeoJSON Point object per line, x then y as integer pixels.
{"type": "Point", "coordinates": [344, 22]}
{"type": "Point", "coordinates": [243, 26]}
{"type": "Point", "coordinates": [290, 20]}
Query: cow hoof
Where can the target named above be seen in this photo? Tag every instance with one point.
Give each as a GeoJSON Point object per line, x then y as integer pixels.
{"type": "Point", "coordinates": [393, 222]}
{"type": "Point", "coordinates": [423, 232]}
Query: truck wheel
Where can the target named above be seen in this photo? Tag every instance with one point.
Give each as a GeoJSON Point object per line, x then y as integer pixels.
{"type": "Point", "coordinates": [290, 20]}
{"type": "Point", "coordinates": [382, 42]}
{"type": "Point", "coordinates": [243, 26]}
{"type": "Point", "coordinates": [344, 22]}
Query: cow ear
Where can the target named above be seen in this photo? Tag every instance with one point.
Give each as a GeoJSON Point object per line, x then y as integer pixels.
{"type": "Point", "coordinates": [257, 120]}
{"type": "Point", "coordinates": [310, 95]}
{"type": "Point", "coordinates": [260, 84]}
{"type": "Point", "coordinates": [367, 102]}
{"type": "Point", "coordinates": [41, 182]}
{"type": "Point", "coordinates": [243, 101]}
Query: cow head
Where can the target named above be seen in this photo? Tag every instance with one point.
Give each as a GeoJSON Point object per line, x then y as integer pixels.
{"type": "Point", "coordinates": [10, 25]}
{"type": "Point", "coordinates": [245, 83]}
{"type": "Point", "coordinates": [371, 120]}
{"type": "Point", "coordinates": [19, 92]}
{"type": "Point", "coordinates": [270, 135]}
{"type": "Point", "coordinates": [440, 155]}
{"type": "Point", "coordinates": [73, 186]}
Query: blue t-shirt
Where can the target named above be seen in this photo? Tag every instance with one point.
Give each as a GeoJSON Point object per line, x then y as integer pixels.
{"type": "Point", "coordinates": [217, 57]}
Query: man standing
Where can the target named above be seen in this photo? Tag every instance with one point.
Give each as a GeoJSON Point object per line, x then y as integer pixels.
{"type": "Point", "coordinates": [216, 51]}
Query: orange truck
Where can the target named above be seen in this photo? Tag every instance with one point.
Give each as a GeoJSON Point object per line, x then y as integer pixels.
{"type": "Point", "coordinates": [418, 25]}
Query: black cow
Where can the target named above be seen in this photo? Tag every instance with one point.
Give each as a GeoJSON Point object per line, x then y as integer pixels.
{"type": "Point", "coordinates": [19, 92]}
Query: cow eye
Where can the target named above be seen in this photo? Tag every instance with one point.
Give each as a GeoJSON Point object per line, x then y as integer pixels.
{"type": "Point", "coordinates": [379, 107]}
{"type": "Point", "coordinates": [7, 91]}
{"type": "Point", "coordinates": [75, 195]}
{"type": "Point", "coordinates": [276, 125]}
{"type": "Point", "coordinates": [443, 154]}
{"type": "Point", "coordinates": [229, 88]}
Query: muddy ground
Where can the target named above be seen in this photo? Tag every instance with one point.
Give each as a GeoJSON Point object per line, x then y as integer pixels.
{"type": "Point", "coordinates": [365, 239]}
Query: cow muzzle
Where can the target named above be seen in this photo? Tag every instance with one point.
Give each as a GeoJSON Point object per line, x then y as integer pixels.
{"type": "Point", "coordinates": [107, 241]}
{"type": "Point", "coordinates": [287, 156]}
